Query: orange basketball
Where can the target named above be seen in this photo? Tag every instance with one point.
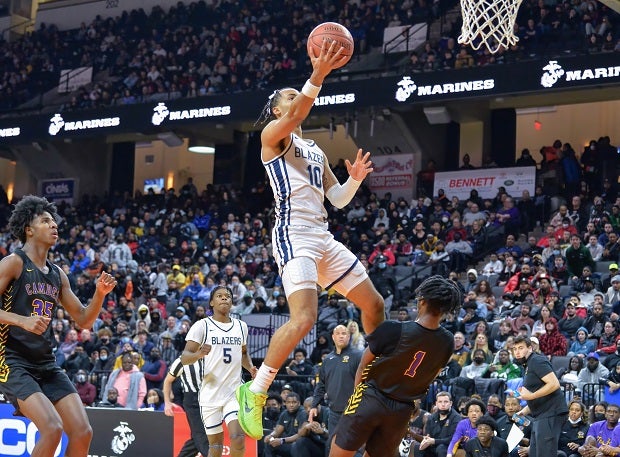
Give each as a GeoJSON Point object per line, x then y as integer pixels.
{"type": "Point", "coordinates": [331, 31]}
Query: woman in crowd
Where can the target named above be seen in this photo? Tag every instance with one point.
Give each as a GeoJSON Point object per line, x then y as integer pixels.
{"type": "Point", "coordinates": [570, 374]}
{"type": "Point", "coordinates": [538, 329]}
{"type": "Point", "coordinates": [154, 400]}
{"type": "Point", "coordinates": [357, 337]}
{"type": "Point", "coordinates": [481, 342]}
{"type": "Point", "coordinates": [581, 346]}
{"type": "Point", "coordinates": [574, 430]}
{"type": "Point", "coordinates": [484, 294]}
{"type": "Point", "coordinates": [607, 342]}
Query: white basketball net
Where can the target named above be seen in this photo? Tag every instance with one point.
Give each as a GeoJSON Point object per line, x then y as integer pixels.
{"type": "Point", "coordinates": [492, 21]}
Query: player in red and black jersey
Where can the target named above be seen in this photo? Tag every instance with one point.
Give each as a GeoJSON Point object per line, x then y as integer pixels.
{"type": "Point", "coordinates": [400, 362]}
{"type": "Point", "coordinates": [32, 288]}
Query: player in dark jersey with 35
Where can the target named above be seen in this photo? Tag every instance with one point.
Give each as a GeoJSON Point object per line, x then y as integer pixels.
{"type": "Point", "coordinates": [400, 362]}
{"type": "Point", "coordinates": [32, 288]}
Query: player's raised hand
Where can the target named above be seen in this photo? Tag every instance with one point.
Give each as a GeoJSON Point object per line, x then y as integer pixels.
{"type": "Point", "coordinates": [362, 166]}
{"type": "Point", "coordinates": [106, 283]}
{"type": "Point", "coordinates": [328, 58]}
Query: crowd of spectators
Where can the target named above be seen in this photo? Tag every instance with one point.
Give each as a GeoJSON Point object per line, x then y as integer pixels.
{"type": "Point", "coordinates": [548, 272]}
{"type": "Point", "coordinates": [190, 50]}
{"type": "Point", "coordinates": [206, 48]}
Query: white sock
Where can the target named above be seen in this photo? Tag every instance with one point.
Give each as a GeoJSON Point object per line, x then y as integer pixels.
{"type": "Point", "coordinates": [263, 379]}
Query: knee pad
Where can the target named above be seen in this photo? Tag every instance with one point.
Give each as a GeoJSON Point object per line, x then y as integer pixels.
{"type": "Point", "coordinates": [299, 273]}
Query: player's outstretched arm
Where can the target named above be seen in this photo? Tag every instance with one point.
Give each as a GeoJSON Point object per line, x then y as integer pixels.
{"type": "Point", "coordinates": [341, 195]}
{"type": "Point", "coordinates": [301, 103]}
{"type": "Point", "coordinates": [85, 316]}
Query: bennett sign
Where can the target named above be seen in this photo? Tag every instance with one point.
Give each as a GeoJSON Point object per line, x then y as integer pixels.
{"type": "Point", "coordinates": [486, 181]}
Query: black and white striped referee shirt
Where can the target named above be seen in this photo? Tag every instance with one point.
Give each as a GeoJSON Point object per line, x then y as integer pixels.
{"type": "Point", "coordinates": [191, 375]}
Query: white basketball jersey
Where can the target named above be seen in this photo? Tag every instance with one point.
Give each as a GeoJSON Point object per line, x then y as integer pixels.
{"type": "Point", "coordinates": [222, 366]}
{"type": "Point", "coordinates": [296, 177]}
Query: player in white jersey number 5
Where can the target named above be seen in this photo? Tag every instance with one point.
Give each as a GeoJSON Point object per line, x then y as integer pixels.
{"type": "Point", "coordinates": [306, 252]}
{"type": "Point", "coordinates": [219, 343]}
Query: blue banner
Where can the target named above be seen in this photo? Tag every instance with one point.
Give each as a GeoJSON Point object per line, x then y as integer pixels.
{"type": "Point", "coordinates": [18, 435]}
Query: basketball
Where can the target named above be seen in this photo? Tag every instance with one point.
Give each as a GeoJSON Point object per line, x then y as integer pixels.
{"type": "Point", "coordinates": [331, 31]}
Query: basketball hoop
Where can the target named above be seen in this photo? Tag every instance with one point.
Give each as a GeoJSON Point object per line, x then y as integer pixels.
{"type": "Point", "coordinates": [489, 22]}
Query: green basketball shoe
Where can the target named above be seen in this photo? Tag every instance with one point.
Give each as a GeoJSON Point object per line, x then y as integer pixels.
{"type": "Point", "coordinates": [250, 410]}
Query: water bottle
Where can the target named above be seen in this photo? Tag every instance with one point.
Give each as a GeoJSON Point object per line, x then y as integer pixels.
{"type": "Point", "coordinates": [520, 420]}
{"type": "Point", "coordinates": [512, 393]}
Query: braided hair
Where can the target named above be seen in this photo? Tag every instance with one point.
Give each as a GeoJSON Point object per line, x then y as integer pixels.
{"type": "Point", "coordinates": [25, 211]}
{"type": "Point", "coordinates": [442, 294]}
{"type": "Point", "coordinates": [266, 113]}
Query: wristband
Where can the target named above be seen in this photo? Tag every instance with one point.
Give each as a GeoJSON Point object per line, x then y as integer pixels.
{"type": "Point", "coordinates": [282, 441]}
{"type": "Point", "coordinates": [310, 90]}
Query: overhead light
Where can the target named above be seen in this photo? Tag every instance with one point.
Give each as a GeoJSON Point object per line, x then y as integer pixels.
{"type": "Point", "coordinates": [200, 147]}
{"type": "Point", "coordinates": [536, 110]}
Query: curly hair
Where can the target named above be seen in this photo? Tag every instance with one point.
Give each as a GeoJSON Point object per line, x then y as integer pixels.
{"type": "Point", "coordinates": [442, 294]}
{"type": "Point", "coordinates": [584, 410]}
{"type": "Point", "coordinates": [25, 211]}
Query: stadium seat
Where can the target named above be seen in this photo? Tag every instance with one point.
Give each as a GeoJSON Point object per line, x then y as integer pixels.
{"type": "Point", "coordinates": [559, 361]}
{"type": "Point", "coordinates": [602, 267]}
{"type": "Point", "coordinates": [565, 291]}
{"type": "Point", "coordinates": [498, 291]}
{"type": "Point", "coordinates": [402, 271]}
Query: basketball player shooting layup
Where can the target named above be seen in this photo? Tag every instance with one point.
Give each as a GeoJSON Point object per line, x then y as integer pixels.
{"type": "Point", "coordinates": [306, 252]}
{"type": "Point", "coordinates": [32, 288]}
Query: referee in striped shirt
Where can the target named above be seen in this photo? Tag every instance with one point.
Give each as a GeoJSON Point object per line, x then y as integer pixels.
{"type": "Point", "coordinates": [191, 380]}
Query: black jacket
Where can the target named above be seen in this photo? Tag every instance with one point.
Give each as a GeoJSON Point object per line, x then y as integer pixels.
{"type": "Point", "coordinates": [442, 432]}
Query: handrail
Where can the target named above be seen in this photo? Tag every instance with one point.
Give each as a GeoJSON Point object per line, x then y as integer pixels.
{"type": "Point", "coordinates": [402, 37]}
{"type": "Point", "coordinates": [69, 76]}
{"type": "Point", "coordinates": [14, 26]}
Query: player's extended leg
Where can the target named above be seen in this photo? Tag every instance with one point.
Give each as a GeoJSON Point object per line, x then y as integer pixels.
{"type": "Point", "coordinates": [366, 298]}
{"type": "Point", "coordinates": [41, 412]}
{"type": "Point", "coordinates": [76, 425]}
{"type": "Point", "coordinates": [303, 304]}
